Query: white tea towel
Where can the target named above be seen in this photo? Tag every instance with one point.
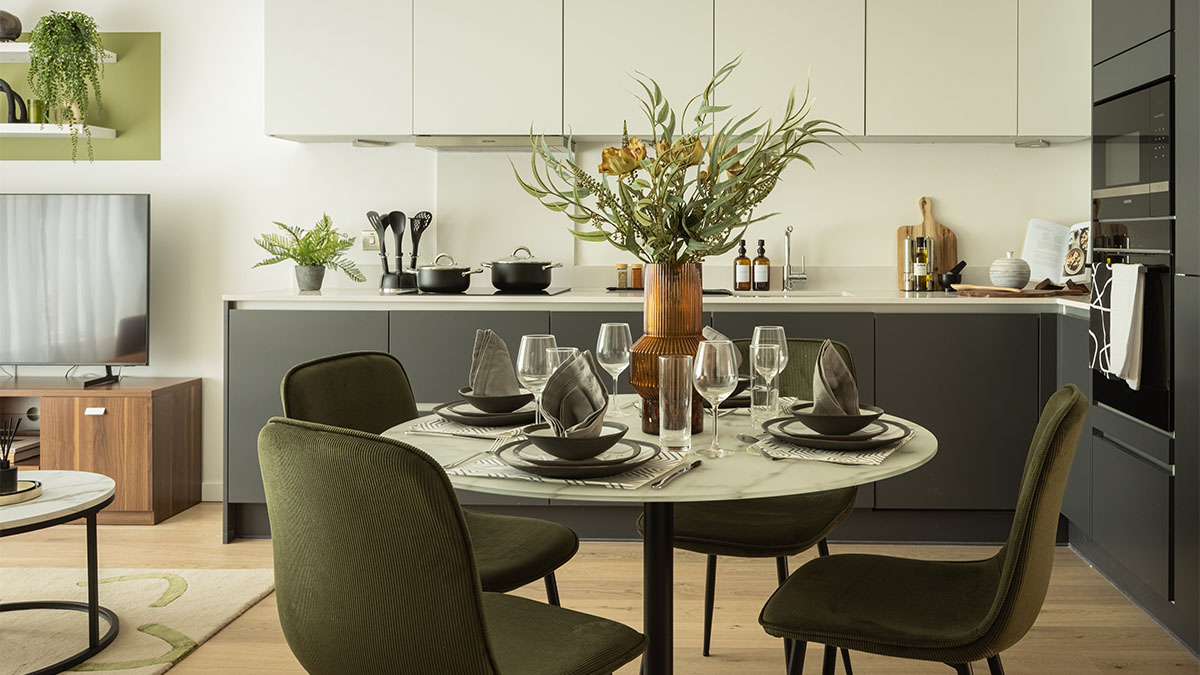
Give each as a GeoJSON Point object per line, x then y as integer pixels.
{"type": "Point", "coordinates": [1125, 323]}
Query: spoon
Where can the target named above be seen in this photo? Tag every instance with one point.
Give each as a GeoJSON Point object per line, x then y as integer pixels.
{"type": "Point", "coordinates": [380, 228]}
{"type": "Point", "coordinates": [419, 223]}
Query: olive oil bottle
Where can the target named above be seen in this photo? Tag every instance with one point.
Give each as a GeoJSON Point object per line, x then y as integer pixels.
{"type": "Point", "coordinates": [741, 269]}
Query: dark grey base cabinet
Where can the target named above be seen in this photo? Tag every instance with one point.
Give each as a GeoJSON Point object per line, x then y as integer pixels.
{"type": "Point", "coordinates": [973, 380]}
{"type": "Point", "coordinates": [1074, 368]}
{"type": "Point", "coordinates": [581, 330]}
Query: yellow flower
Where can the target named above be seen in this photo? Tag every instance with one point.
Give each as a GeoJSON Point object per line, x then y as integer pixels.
{"type": "Point", "coordinates": [617, 161]}
{"type": "Point", "coordinates": [663, 149]}
{"type": "Point", "coordinates": [703, 175]}
{"type": "Point", "coordinates": [688, 154]}
{"type": "Point", "coordinates": [637, 147]}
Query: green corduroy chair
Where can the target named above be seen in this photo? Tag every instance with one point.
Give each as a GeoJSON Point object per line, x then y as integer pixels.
{"type": "Point", "coordinates": [948, 612]}
{"type": "Point", "coordinates": [374, 571]}
{"type": "Point", "coordinates": [775, 527]}
{"type": "Point", "coordinates": [369, 391]}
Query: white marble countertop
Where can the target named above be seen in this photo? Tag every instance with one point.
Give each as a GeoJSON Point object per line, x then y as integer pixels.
{"type": "Point", "coordinates": [739, 476]}
{"type": "Point", "coordinates": [598, 299]}
{"type": "Point", "coordinates": [63, 493]}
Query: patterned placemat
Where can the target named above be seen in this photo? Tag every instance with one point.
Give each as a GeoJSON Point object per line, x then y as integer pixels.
{"type": "Point", "coordinates": [490, 466]}
{"type": "Point", "coordinates": [773, 447]}
{"type": "Point", "coordinates": [444, 427]}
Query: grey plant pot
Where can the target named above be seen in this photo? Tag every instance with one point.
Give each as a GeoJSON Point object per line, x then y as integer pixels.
{"type": "Point", "coordinates": [309, 278]}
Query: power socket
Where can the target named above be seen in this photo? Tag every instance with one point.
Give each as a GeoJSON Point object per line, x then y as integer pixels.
{"type": "Point", "coordinates": [370, 240]}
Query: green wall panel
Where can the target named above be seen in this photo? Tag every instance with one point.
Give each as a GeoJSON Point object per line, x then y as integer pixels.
{"type": "Point", "coordinates": [132, 89]}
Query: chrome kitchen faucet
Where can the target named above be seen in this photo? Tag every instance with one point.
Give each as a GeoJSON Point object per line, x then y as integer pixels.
{"type": "Point", "coordinates": [790, 277]}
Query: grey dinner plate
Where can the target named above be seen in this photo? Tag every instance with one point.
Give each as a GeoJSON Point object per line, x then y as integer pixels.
{"type": "Point", "coordinates": [508, 455]}
{"type": "Point", "coordinates": [621, 451]}
{"type": "Point", "coordinates": [895, 432]}
{"type": "Point", "coordinates": [454, 411]}
{"type": "Point", "coordinates": [796, 427]}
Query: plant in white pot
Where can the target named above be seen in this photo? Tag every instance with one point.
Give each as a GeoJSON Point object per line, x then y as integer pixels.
{"type": "Point", "coordinates": [313, 251]}
{"type": "Point", "coordinates": [66, 58]}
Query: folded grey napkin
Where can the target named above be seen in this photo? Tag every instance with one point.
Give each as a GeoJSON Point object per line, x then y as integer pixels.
{"type": "Point", "coordinates": [834, 389]}
{"type": "Point", "coordinates": [492, 372]}
{"type": "Point", "coordinates": [712, 335]}
{"type": "Point", "coordinates": [575, 400]}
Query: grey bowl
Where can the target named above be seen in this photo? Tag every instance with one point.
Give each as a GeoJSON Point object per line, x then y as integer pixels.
{"type": "Point", "coordinates": [575, 449]}
{"type": "Point", "coordinates": [495, 404]}
{"type": "Point", "coordinates": [835, 425]}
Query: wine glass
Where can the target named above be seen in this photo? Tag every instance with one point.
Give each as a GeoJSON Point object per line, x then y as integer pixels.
{"type": "Point", "coordinates": [612, 353]}
{"type": "Point", "coordinates": [764, 360]}
{"type": "Point", "coordinates": [534, 366]}
{"type": "Point", "coordinates": [715, 377]}
{"type": "Point", "coordinates": [772, 335]}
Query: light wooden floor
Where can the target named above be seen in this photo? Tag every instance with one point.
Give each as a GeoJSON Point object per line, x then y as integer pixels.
{"type": "Point", "coordinates": [1086, 626]}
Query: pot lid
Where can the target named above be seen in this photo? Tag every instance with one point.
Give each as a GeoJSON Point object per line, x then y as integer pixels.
{"type": "Point", "coordinates": [523, 255]}
{"type": "Point", "coordinates": [438, 265]}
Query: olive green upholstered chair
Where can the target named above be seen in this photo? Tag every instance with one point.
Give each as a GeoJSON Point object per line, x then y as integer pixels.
{"type": "Point", "coordinates": [775, 527]}
{"type": "Point", "coordinates": [948, 612]}
{"type": "Point", "coordinates": [369, 391]}
{"type": "Point", "coordinates": [374, 571]}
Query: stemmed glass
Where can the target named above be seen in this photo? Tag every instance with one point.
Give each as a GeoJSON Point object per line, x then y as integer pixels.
{"type": "Point", "coordinates": [535, 365]}
{"type": "Point", "coordinates": [765, 360]}
{"type": "Point", "coordinates": [715, 377]}
{"type": "Point", "coordinates": [612, 353]}
{"type": "Point", "coordinates": [772, 335]}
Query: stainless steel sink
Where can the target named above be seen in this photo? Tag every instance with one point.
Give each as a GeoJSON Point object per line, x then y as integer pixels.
{"type": "Point", "coordinates": [793, 294]}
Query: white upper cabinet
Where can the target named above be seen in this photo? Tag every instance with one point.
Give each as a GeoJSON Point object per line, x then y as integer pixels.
{"type": "Point", "coordinates": [1054, 96]}
{"type": "Point", "coordinates": [942, 67]}
{"type": "Point", "coordinates": [792, 43]}
{"type": "Point", "coordinates": [338, 71]}
{"type": "Point", "coordinates": [670, 41]}
{"type": "Point", "coordinates": [487, 68]}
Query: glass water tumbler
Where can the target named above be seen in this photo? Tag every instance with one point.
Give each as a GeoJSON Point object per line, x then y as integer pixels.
{"type": "Point", "coordinates": [675, 402]}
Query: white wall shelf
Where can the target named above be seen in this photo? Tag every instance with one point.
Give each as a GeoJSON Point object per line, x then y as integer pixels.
{"type": "Point", "coordinates": [18, 52]}
{"type": "Point", "coordinates": [50, 131]}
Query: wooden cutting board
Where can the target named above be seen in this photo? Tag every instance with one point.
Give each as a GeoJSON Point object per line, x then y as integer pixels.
{"type": "Point", "coordinates": [970, 291]}
{"type": "Point", "coordinates": [945, 243]}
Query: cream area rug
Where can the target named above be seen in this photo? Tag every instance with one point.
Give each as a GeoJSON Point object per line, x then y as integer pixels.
{"type": "Point", "coordinates": [164, 614]}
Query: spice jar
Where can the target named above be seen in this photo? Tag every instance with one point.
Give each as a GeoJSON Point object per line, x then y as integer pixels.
{"type": "Point", "coordinates": [636, 282]}
{"type": "Point", "coordinates": [622, 275]}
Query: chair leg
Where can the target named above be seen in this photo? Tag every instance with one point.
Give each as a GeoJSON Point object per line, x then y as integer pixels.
{"type": "Point", "coordinates": [795, 665]}
{"type": "Point", "coordinates": [781, 570]}
{"type": "Point", "coordinates": [829, 661]}
{"type": "Point", "coordinates": [995, 667]}
{"type": "Point", "coordinates": [823, 547]}
{"type": "Point", "coordinates": [962, 668]}
{"type": "Point", "coordinates": [710, 583]}
{"type": "Point", "coordinates": [552, 590]}
{"type": "Point", "coordinates": [823, 550]}
{"type": "Point", "coordinates": [846, 661]}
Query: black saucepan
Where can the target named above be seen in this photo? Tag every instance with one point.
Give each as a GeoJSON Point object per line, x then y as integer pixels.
{"type": "Point", "coordinates": [445, 277]}
{"type": "Point", "coordinates": [521, 273]}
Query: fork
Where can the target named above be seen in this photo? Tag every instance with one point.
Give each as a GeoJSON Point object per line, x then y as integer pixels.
{"type": "Point", "coordinates": [500, 441]}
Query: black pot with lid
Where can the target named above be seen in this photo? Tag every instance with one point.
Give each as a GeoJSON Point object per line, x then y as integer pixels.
{"type": "Point", "coordinates": [521, 273]}
{"type": "Point", "coordinates": [444, 277]}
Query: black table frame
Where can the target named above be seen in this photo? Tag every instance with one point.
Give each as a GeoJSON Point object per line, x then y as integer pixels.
{"type": "Point", "coordinates": [658, 587]}
{"type": "Point", "coordinates": [96, 642]}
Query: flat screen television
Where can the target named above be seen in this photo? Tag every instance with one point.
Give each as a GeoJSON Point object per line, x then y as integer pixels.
{"type": "Point", "coordinates": [74, 279]}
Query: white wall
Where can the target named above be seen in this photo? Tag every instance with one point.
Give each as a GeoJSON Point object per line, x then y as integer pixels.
{"type": "Point", "coordinates": [221, 181]}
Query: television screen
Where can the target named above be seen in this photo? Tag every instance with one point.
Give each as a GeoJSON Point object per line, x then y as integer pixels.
{"type": "Point", "coordinates": [74, 279]}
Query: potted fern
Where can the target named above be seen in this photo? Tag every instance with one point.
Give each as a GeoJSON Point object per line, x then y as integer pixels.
{"type": "Point", "coordinates": [66, 57]}
{"type": "Point", "coordinates": [313, 251]}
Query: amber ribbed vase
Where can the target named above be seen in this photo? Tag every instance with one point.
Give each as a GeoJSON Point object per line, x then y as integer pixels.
{"type": "Point", "coordinates": [674, 316]}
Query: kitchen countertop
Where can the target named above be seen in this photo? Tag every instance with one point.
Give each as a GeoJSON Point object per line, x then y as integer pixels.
{"type": "Point", "coordinates": [880, 301]}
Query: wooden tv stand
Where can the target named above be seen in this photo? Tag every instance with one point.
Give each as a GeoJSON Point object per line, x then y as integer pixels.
{"type": "Point", "coordinates": [144, 433]}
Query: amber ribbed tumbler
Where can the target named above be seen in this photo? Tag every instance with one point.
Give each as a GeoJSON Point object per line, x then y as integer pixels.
{"type": "Point", "coordinates": [674, 316]}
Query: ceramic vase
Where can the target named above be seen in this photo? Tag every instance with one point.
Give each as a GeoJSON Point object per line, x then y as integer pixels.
{"type": "Point", "coordinates": [673, 319]}
{"type": "Point", "coordinates": [1009, 272]}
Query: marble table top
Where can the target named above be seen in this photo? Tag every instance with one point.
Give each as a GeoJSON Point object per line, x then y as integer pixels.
{"type": "Point", "coordinates": [63, 493]}
{"type": "Point", "coordinates": [740, 476]}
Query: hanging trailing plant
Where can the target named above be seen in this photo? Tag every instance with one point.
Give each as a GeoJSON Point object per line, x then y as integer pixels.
{"type": "Point", "coordinates": [66, 56]}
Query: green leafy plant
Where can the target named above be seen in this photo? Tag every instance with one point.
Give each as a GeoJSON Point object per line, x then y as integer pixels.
{"type": "Point", "coordinates": [321, 246]}
{"type": "Point", "coordinates": [66, 56]}
{"type": "Point", "coordinates": [678, 199]}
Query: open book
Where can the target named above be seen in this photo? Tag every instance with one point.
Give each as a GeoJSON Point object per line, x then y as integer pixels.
{"type": "Point", "coordinates": [1056, 252]}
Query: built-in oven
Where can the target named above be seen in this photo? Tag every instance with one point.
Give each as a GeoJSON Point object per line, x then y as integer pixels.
{"type": "Point", "coordinates": [1147, 242]}
{"type": "Point", "coordinates": [1131, 154]}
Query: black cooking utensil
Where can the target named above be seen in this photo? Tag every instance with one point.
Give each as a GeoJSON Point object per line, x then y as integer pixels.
{"type": "Point", "coordinates": [418, 226]}
{"type": "Point", "coordinates": [380, 228]}
{"type": "Point", "coordinates": [396, 220]}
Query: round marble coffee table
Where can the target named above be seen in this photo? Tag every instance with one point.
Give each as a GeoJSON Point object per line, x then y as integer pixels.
{"type": "Point", "coordinates": [740, 476]}
{"type": "Point", "coordinates": [66, 496]}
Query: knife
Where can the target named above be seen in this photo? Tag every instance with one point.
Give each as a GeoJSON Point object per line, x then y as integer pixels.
{"type": "Point", "coordinates": [662, 482]}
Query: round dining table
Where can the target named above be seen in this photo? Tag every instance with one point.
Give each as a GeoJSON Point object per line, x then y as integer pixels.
{"type": "Point", "coordinates": [747, 474]}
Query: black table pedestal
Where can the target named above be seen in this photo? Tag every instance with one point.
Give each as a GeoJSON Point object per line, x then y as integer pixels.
{"type": "Point", "coordinates": [658, 580]}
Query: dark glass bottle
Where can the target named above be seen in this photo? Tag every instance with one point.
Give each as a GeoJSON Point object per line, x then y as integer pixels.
{"type": "Point", "coordinates": [761, 268]}
{"type": "Point", "coordinates": [741, 269]}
